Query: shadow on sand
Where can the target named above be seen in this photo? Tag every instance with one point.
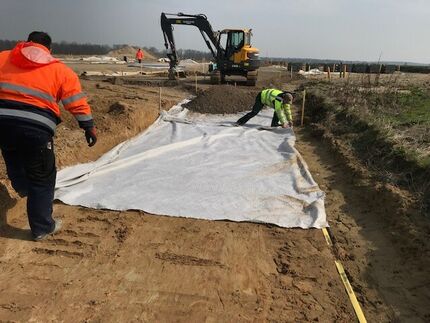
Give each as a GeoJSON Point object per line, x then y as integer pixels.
{"type": "Point", "coordinates": [6, 230]}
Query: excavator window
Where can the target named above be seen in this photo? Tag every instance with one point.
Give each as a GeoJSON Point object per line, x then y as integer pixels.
{"type": "Point", "coordinates": [223, 40]}
{"type": "Point", "coordinates": [236, 39]}
{"type": "Point", "coordinates": [247, 38]}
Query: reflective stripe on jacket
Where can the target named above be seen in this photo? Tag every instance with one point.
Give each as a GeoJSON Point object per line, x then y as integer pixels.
{"type": "Point", "coordinates": [30, 75]}
{"type": "Point", "coordinates": [270, 98]}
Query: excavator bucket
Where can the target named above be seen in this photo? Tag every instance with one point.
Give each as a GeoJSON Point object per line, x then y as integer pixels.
{"type": "Point", "coordinates": [174, 74]}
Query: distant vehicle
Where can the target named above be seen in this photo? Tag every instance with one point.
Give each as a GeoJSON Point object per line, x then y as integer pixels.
{"type": "Point", "coordinates": [163, 60]}
{"type": "Point", "coordinates": [231, 48]}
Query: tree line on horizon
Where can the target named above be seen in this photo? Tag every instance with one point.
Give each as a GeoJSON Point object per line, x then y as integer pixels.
{"type": "Point", "coordinates": [66, 48]}
{"type": "Point", "coordinates": [74, 48]}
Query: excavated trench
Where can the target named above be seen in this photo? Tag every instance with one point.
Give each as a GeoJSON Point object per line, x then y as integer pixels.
{"type": "Point", "coordinates": [378, 228]}
{"type": "Point", "coordinates": [381, 229]}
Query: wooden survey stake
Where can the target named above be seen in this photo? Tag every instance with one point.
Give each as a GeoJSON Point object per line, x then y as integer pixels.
{"type": "Point", "coordinates": [303, 107]}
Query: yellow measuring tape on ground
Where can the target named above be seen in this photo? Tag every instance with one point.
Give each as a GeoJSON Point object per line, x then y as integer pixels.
{"type": "Point", "coordinates": [346, 283]}
{"type": "Point", "coordinates": [350, 291]}
{"type": "Point", "coordinates": [327, 237]}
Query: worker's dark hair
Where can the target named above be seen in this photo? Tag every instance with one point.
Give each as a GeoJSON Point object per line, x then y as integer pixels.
{"type": "Point", "coordinates": [40, 37]}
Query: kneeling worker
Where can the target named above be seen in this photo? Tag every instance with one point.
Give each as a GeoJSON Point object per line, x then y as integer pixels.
{"type": "Point", "coordinates": [32, 83]}
{"type": "Point", "coordinates": [276, 99]}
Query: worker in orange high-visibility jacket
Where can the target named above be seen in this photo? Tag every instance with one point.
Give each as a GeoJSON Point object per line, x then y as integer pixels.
{"type": "Point", "coordinates": [139, 55]}
{"type": "Point", "coordinates": [32, 83]}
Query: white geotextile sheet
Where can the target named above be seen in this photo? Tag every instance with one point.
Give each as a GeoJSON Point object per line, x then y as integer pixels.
{"type": "Point", "coordinates": [200, 166]}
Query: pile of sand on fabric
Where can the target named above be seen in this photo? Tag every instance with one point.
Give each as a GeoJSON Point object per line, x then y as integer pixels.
{"type": "Point", "coordinates": [223, 99]}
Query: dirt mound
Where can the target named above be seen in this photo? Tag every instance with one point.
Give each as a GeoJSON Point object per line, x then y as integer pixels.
{"type": "Point", "coordinates": [223, 99]}
{"type": "Point", "coordinates": [119, 108]}
{"type": "Point", "coordinates": [129, 51]}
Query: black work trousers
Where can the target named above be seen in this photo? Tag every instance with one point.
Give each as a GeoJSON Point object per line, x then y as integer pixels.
{"type": "Point", "coordinates": [258, 106]}
{"type": "Point", "coordinates": [30, 164]}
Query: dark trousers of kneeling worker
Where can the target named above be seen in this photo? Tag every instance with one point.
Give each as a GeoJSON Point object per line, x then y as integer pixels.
{"type": "Point", "coordinates": [28, 152]}
{"type": "Point", "coordinates": [258, 106]}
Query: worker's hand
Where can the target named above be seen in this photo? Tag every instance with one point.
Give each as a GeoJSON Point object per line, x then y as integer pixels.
{"type": "Point", "coordinates": [285, 125]}
{"type": "Point", "coordinates": [90, 135]}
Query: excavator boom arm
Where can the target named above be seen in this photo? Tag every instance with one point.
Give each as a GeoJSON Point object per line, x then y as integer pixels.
{"type": "Point", "coordinates": [200, 21]}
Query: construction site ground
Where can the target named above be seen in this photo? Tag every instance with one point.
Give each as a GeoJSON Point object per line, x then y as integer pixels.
{"type": "Point", "coordinates": [109, 266]}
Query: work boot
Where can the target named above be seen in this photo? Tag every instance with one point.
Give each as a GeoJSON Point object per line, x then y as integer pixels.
{"type": "Point", "coordinates": [57, 227]}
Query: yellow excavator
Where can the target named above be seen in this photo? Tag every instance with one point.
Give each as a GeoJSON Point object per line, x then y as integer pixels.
{"type": "Point", "coordinates": [230, 48]}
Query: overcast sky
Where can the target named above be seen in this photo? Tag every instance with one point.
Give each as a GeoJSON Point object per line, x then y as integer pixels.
{"type": "Point", "coordinates": [338, 29]}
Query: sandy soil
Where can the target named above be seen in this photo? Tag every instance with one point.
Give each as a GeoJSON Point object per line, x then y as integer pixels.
{"type": "Point", "coordinates": [131, 266]}
{"type": "Point", "coordinates": [379, 239]}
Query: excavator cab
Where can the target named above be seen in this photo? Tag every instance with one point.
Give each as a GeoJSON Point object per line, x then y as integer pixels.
{"type": "Point", "coordinates": [238, 56]}
{"type": "Point", "coordinates": [232, 41]}
{"type": "Point", "coordinates": [231, 48]}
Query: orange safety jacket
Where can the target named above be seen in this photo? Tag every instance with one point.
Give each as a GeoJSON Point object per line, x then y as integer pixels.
{"type": "Point", "coordinates": [32, 83]}
{"type": "Point", "coordinates": [139, 54]}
